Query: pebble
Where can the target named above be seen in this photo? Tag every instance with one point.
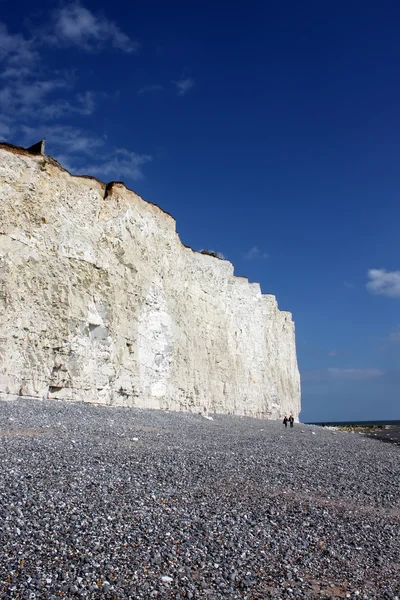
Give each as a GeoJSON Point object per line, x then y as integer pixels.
{"type": "Point", "coordinates": [216, 508]}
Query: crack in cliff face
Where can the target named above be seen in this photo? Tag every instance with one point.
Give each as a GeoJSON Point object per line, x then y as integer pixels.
{"type": "Point", "coordinates": [14, 239]}
{"type": "Point", "coordinates": [137, 317]}
{"type": "Point", "coordinates": [36, 246]}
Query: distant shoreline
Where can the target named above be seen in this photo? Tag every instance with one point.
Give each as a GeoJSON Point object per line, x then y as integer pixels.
{"type": "Point", "coordinates": [369, 423]}
{"type": "Point", "coordinates": [384, 431]}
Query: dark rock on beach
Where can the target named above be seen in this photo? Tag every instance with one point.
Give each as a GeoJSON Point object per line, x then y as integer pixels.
{"type": "Point", "coordinates": [99, 502]}
{"type": "Point", "coordinates": [386, 433]}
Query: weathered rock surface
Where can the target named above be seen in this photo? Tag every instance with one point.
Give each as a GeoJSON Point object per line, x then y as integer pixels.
{"type": "Point", "coordinates": [100, 302]}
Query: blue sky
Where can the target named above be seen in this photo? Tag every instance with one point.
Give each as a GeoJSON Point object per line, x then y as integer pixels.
{"type": "Point", "coordinates": [270, 130]}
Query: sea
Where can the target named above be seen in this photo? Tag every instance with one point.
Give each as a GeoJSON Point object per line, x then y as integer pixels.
{"type": "Point", "coordinates": [384, 431]}
{"type": "Point", "coordinates": [355, 423]}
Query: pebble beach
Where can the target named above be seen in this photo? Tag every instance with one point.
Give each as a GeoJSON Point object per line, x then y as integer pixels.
{"type": "Point", "coordinates": [107, 502]}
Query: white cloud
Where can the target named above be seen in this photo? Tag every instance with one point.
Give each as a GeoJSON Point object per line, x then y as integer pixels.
{"type": "Point", "coordinates": [84, 154]}
{"type": "Point", "coordinates": [356, 374]}
{"type": "Point", "coordinates": [395, 336]}
{"type": "Point", "coordinates": [17, 72]}
{"type": "Point", "coordinates": [65, 140]}
{"type": "Point", "coordinates": [46, 100]}
{"type": "Point", "coordinates": [19, 96]}
{"type": "Point", "coordinates": [16, 50]}
{"type": "Point", "coordinates": [384, 283]}
{"type": "Point", "coordinates": [332, 352]}
{"type": "Point", "coordinates": [150, 88]}
{"type": "Point", "coordinates": [121, 164]}
{"type": "Point", "coordinates": [332, 374]}
{"type": "Point", "coordinates": [82, 104]}
{"type": "Point", "coordinates": [5, 131]}
{"type": "Point", "coordinates": [184, 85]}
{"type": "Point", "coordinates": [24, 88]}
{"type": "Point", "coordinates": [29, 93]}
{"type": "Point", "coordinates": [256, 254]}
{"type": "Point", "coordinates": [76, 25]}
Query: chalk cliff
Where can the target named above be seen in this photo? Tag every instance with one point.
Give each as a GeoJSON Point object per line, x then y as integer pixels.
{"type": "Point", "coordinates": [100, 302]}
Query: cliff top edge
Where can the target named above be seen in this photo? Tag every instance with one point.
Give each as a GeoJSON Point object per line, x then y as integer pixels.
{"type": "Point", "coordinates": [37, 150]}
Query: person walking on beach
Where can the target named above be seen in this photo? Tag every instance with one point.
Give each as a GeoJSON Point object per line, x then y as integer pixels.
{"type": "Point", "coordinates": [285, 421]}
{"type": "Point", "coordinates": [291, 420]}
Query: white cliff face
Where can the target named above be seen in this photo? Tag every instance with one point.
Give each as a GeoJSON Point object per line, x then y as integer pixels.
{"type": "Point", "coordinates": [101, 302]}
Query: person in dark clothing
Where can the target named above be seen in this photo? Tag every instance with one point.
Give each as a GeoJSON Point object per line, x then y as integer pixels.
{"type": "Point", "coordinates": [291, 420]}
{"type": "Point", "coordinates": [285, 421]}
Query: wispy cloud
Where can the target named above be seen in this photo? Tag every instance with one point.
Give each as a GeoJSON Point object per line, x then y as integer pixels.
{"type": "Point", "coordinates": [16, 49]}
{"type": "Point", "coordinates": [63, 138]}
{"type": "Point", "coordinates": [25, 99]}
{"type": "Point", "coordinates": [37, 98]}
{"type": "Point", "coordinates": [121, 164]}
{"type": "Point", "coordinates": [5, 131]}
{"type": "Point", "coordinates": [384, 283]}
{"type": "Point", "coordinates": [80, 104]}
{"type": "Point", "coordinates": [332, 352]}
{"type": "Point", "coordinates": [30, 92]}
{"type": "Point", "coordinates": [332, 374]}
{"type": "Point", "coordinates": [256, 254]}
{"type": "Point", "coordinates": [349, 285]}
{"type": "Point", "coordinates": [355, 374]}
{"type": "Point", "coordinates": [150, 88]}
{"type": "Point", "coordinates": [85, 154]}
{"type": "Point", "coordinates": [75, 25]}
{"type": "Point", "coordinates": [394, 336]}
{"type": "Point", "coordinates": [184, 85]}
